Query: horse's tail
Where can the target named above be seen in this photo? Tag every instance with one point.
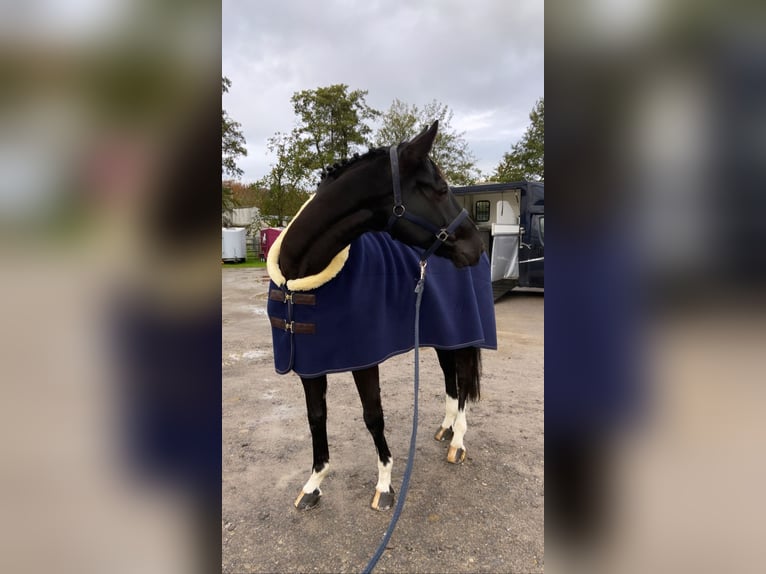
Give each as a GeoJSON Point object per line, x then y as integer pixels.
{"type": "Point", "coordinates": [473, 369]}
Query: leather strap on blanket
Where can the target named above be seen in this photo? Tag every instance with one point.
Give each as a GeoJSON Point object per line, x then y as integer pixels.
{"type": "Point", "coordinates": [297, 298]}
{"type": "Point", "coordinates": [293, 327]}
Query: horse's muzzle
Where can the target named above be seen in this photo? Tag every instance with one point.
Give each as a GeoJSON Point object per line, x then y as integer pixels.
{"type": "Point", "coordinates": [463, 252]}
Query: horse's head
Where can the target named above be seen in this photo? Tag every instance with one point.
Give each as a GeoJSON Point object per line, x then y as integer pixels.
{"type": "Point", "coordinates": [359, 195]}
{"type": "Point", "coordinates": [426, 195]}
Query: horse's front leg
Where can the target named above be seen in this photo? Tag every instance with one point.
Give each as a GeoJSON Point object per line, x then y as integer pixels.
{"type": "Point", "coordinates": [368, 384]}
{"type": "Point", "coordinates": [316, 409]}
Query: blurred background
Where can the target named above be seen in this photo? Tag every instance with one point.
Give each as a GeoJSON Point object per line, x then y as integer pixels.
{"type": "Point", "coordinates": [110, 401]}
{"type": "Point", "coordinates": [655, 363]}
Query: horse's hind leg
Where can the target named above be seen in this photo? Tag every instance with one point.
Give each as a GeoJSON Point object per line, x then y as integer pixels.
{"type": "Point", "coordinates": [316, 408]}
{"type": "Point", "coordinates": [368, 384]}
{"type": "Point", "coordinates": [447, 362]}
{"type": "Point", "coordinates": [464, 366]}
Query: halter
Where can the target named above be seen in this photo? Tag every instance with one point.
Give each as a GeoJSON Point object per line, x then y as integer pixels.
{"type": "Point", "coordinates": [400, 212]}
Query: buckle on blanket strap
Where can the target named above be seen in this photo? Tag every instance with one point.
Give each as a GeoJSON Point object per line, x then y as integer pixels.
{"type": "Point", "coordinates": [293, 298]}
{"type": "Point", "coordinates": [292, 326]}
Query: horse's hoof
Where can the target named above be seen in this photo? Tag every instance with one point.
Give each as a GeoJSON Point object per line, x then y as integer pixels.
{"type": "Point", "coordinates": [455, 455]}
{"type": "Point", "coordinates": [307, 500]}
{"type": "Point", "coordinates": [383, 500]}
{"type": "Point", "coordinates": [443, 434]}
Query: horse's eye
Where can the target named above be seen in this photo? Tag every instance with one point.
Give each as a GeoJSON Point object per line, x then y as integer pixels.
{"type": "Point", "coordinates": [431, 186]}
{"type": "Point", "coordinates": [424, 186]}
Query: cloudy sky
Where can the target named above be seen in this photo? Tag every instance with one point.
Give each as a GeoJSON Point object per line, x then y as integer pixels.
{"type": "Point", "coordinates": [482, 58]}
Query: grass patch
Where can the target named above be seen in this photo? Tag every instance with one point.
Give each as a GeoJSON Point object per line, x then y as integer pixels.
{"type": "Point", "coordinates": [252, 261]}
{"type": "Point", "coordinates": [249, 263]}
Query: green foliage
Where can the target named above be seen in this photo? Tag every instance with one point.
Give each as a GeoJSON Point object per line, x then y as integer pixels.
{"type": "Point", "coordinates": [331, 127]}
{"type": "Point", "coordinates": [286, 182]}
{"type": "Point", "coordinates": [232, 140]}
{"type": "Point", "coordinates": [399, 123]}
{"type": "Point", "coordinates": [526, 160]}
{"type": "Point", "coordinates": [331, 124]}
{"type": "Point", "coordinates": [232, 147]}
{"type": "Point", "coordinates": [450, 151]}
{"type": "Point", "coordinates": [228, 203]}
{"type": "Point", "coordinates": [246, 195]}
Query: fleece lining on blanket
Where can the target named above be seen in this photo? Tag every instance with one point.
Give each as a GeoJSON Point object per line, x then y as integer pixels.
{"type": "Point", "coordinates": [302, 283]}
{"type": "Point", "coordinates": [366, 313]}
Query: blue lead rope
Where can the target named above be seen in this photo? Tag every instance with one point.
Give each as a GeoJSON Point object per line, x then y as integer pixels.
{"type": "Point", "coordinates": [411, 457]}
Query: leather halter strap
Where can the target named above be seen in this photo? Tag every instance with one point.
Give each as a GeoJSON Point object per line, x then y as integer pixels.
{"type": "Point", "coordinates": [400, 212]}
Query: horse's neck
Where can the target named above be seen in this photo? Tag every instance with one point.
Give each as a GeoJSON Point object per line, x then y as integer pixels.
{"type": "Point", "coordinates": [318, 234]}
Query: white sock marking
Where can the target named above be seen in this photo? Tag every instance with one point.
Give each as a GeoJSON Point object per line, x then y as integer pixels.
{"type": "Point", "coordinates": [384, 475]}
{"type": "Point", "coordinates": [459, 429]}
{"type": "Point", "coordinates": [316, 479]}
{"type": "Point", "coordinates": [451, 412]}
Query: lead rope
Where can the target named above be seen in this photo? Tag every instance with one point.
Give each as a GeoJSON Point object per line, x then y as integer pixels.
{"type": "Point", "coordinates": [411, 457]}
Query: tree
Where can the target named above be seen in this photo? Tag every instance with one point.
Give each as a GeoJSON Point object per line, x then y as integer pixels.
{"type": "Point", "coordinates": [232, 147]}
{"type": "Point", "coordinates": [526, 160]}
{"type": "Point", "coordinates": [228, 203]}
{"type": "Point", "coordinates": [232, 140]}
{"type": "Point", "coordinates": [332, 124]}
{"type": "Point", "coordinates": [331, 127]}
{"type": "Point", "coordinates": [286, 182]}
{"type": "Point", "coordinates": [399, 123]}
{"type": "Point", "coordinates": [450, 151]}
{"type": "Point", "coordinates": [250, 195]}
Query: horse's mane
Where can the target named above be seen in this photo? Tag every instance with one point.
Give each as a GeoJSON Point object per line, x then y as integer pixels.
{"type": "Point", "coordinates": [332, 172]}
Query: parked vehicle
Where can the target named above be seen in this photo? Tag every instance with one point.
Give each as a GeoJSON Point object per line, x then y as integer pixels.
{"type": "Point", "coordinates": [511, 220]}
{"type": "Point", "coordinates": [233, 246]}
{"type": "Point", "coordinates": [268, 237]}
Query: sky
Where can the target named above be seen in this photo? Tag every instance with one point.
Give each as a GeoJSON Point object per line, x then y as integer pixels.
{"type": "Point", "coordinates": [482, 58]}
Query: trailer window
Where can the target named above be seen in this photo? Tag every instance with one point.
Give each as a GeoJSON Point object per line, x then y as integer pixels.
{"type": "Point", "coordinates": [481, 211]}
{"type": "Point", "coordinates": [542, 229]}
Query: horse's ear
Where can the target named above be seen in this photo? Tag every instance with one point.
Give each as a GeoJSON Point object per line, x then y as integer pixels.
{"type": "Point", "coordinates": [419, 147]}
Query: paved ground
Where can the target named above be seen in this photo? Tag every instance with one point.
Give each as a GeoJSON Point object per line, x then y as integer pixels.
{"type": "Point", "coordinates": [485, 515]}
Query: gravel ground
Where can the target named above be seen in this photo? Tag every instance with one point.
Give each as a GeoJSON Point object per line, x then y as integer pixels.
{"type": "Point", "coordinates": [485, 515]}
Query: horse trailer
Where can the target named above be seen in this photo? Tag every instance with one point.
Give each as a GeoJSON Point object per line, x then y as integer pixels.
{"type": "Point", "coordinates": [510, 218]}
{"type": "Point", "coordinates": [233, 245]}
{"type": "Point", "coordinates": [268, 237]}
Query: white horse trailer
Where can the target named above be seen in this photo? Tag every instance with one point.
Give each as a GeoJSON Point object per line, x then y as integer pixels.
{"type": "Point", "coordinates": [233, 245]}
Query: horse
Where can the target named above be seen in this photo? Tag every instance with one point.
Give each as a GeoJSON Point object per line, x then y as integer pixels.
{"type": "Point", "coordinates": [344, 267]}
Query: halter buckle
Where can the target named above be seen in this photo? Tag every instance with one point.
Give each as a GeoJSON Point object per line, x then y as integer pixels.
{"type": "Point", "coordinates": [443, 235]}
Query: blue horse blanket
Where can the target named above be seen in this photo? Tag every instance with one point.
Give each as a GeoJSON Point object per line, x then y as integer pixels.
{"type": "Point", "coordinates": [366, 313]}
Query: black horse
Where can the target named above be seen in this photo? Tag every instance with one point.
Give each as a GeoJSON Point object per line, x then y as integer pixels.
{"type": "Point", "coordinates": [383, 212]}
